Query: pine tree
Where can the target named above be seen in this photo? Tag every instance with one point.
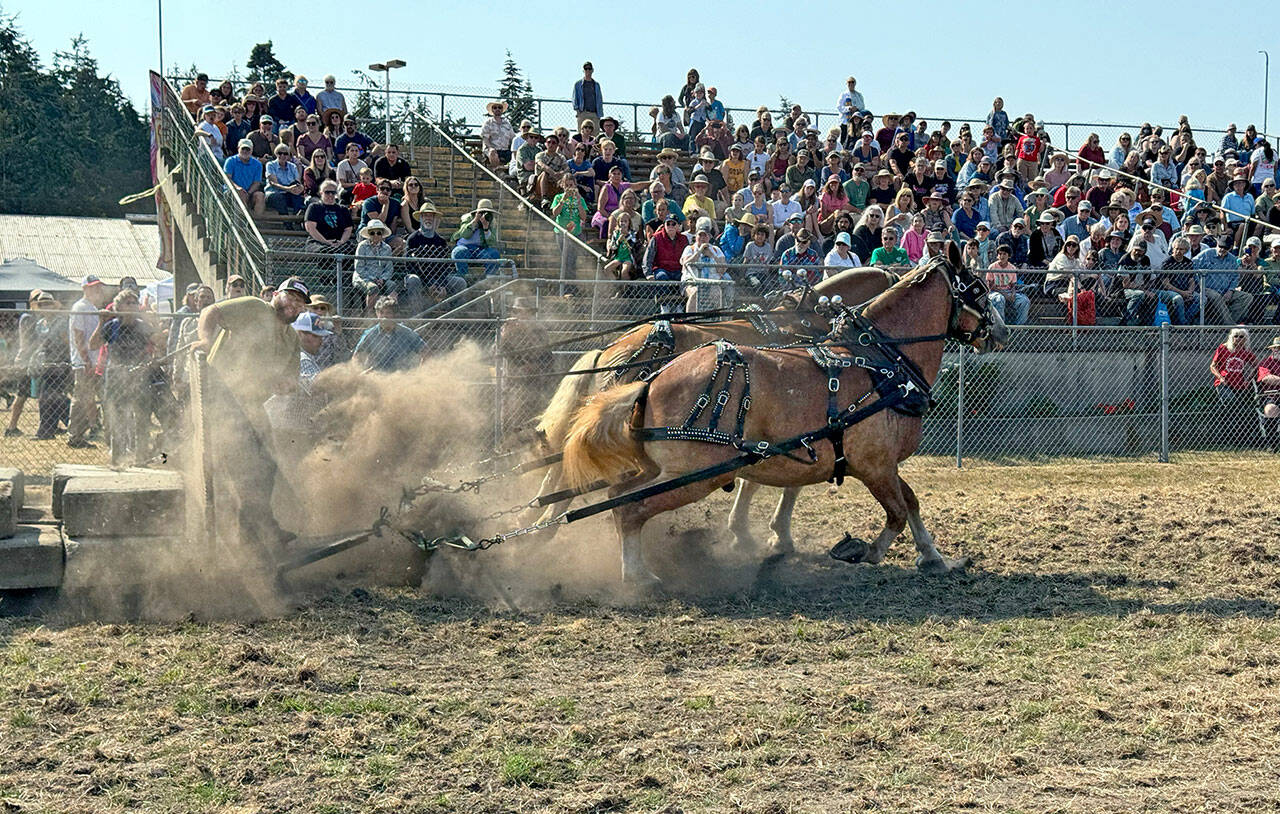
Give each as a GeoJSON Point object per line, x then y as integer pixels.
{"type": "Point", "coordinates": [517, 92]}
{"type": "Point", "coordinates": [264, 66]}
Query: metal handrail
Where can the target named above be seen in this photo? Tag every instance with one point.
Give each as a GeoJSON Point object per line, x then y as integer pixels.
{"type": "Point", "coordinates": [529, 206]}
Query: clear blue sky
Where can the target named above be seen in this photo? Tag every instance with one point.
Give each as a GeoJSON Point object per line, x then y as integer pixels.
{"type": "Point", "coordinates": [1079, 61]}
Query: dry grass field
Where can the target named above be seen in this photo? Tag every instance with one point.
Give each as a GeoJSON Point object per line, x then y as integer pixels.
{"type": "Point", "coordinates": [1114, 647]}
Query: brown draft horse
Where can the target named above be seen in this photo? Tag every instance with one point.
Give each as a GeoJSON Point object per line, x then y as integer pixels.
{"type": "Point", "coordinates": [795, 317]}
{"type": "Point", "coordinates": [789, 397]}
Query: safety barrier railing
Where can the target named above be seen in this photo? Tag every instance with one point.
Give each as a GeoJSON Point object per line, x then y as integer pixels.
{"type": "Point", "coordinates": [233, 238]}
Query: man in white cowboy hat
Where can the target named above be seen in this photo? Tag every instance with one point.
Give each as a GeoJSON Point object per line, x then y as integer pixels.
{"type": "Point", "coordinates": [253, 353]}
{"type": "Point", "coordinates": [477, 238]}
{"type": "Point", "coordinates": [496, 135]}
{"type": "Point", "coordinates": [588, 99]}
{"type": "Point", "coordinates": [374, 273]}
{"type": "Point", "coordinates": [430, 245]}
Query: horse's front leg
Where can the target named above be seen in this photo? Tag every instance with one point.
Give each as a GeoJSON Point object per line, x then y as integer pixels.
{"type": "Point", "coordinates": [781, 522]}
{"type": "Point", "coordinates": [739, 521]}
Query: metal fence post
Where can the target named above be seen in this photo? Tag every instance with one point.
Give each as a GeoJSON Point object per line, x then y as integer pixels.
{"type": "Point", "coordinates": [1200, 284]}
{"type": "Point", "coordinates": [337, 283]}
{"type": "Point", "coordinates": [499, 368]}
{"type": "Point", "coordinates": [960, 412]}
{"type": "Point", "coordinates": [1164, 392]}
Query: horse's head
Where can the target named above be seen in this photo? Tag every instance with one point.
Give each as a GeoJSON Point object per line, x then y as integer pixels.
{"type": "Point", "coordinates": [973, 321]}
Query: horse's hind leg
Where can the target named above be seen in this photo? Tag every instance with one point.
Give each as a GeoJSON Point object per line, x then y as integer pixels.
{"type": "Point", "coordinates": [781, 522]}
{"type": "Point", "coordinates": [739, 522]}
{"type": "Point", "coordinates": [927, 557]}
{"type": "Point", "coordinates": [631, 517]}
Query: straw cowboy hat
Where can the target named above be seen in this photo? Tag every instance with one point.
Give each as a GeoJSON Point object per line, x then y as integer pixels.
{"type": "Point", "coordinates": [482, 205]}
{"type": "Point", "coordinates": [428, 208]}
{"type": "Point", "coordinates": [501, 105]}
{"type": "Point", "coordinates": [1275, 344]}
{"type": "Point", "coordinates": [747, 219]}
{"type": "Point", "coordinates": [375, 226]}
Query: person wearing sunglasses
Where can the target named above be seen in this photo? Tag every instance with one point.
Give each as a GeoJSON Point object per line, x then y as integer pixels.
{"type": "Point", "coordinates": [284, 182]}
{"type": "Point", "coordinates": [328, 223]}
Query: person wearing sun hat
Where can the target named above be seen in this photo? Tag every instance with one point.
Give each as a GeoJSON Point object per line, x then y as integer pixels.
{"type": "Point", "coordinates": [477, 238]}
{"type": "Point", "coordinates": [496, 135]}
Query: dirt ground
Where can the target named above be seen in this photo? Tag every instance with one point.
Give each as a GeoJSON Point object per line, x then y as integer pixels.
{"type": "Point", "coordinates": [1114, 647]}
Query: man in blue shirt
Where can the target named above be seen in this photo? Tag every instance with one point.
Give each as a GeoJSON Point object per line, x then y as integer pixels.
{"type": "Point", "coordinates": [389, 346]}
{"type": "Point", "coordinates": [350, 135]}
{"type": "Point", "coordinates": [245, 174]}
{"type": "Point", "coordinates": [1224, 303]}
{"type": "Point", "coordinates": [715, 108]}
{"type": "Point", "coordinates": [588, 100]}
{"type": "Point", "coordinates": [284, 182]}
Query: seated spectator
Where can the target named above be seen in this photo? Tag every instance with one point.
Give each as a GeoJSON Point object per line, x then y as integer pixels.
{"type": "Point", "coordinates": [127, 379]}
{"type": "Point", "coordinates": [1142, 290]}
{"type": "Point", "coordinates": [913, 239]}
{"type": "Point", "coordinates": [245, 174]}
{"type": "Point", "coordinates": [609, 130]}
{"type": "Point", "coordinates": [1225, 303]}
{"type": "Point", "coordinates": [792, 227]}
{"type": "Point", "coordinates": [888, 254]}
{"type": "Point", "coordinates": [393, 169]}
{"type": "Point", "coordinates": [238, 127]}
{"type": "Point", "coordinates": [736, 234]}
{"type": "Point", "coordinates": [410, 202]}
{"type": "Point", "coordinates": [496, 135]}
{"type": "Point", "coordinates": [364, 188]}
{"type": "Point", "coordinates": [714, 138]}
{"type": "Point", "coordinates": [428, 244]}
{"type": "Point", "coordinates": [316, 173]}
{"type": "Point", "coordinates": [664, 251]}
{"type": "Point", "coordinates": [933, 247]}
{"type": "Point", "coordinates": [703, 260]}
{"type": "Point", "coordinates": [282, 105]}
{"type": "Point", "coordinates": [330, 98]}
{"type": "Point", "coordinates": [264, 140]}
{"type": "Point", "coordinates": [700, 197]}
{"type": "Point", "coordinates": [382, 207]}
{"type": "Point", "coordinates": [1005, 207]}
{"type": "Point", "coordinates": [841, 256]}
{"type": "Point", "coordinates": [802, 259]}
{"type": "Point", "coordinates": [832, 203]}
{"type": "Point", "coordinates": [477, 238]}
{"type": "Point", "coordinates": [657, 192]}
{"type": "Point", "coordinates": [328, 223]}
{"type": "Point", "coordinates": [1067, 260]}
{"type": "Point", "coordinates": [284, 182]}
{"type": "Point", "coordinates": [1269, 394]}
{"type": "Point", "coordinates": [668, 130]}
{"type": "Point", "coordinates": [352, 135]}
{"type": "Point", "coordinates": [374, 273]}
{"type": "Point", "coordinates": [1018, 242]}
{"type": "Point", "coordinates": [211, 134]}
{"type": "Point", "coordinates": [1270, 266]}
{"type": "Point", "coordinates": [1002, 280]}
{"type": "Point", "coordinates": [388, 346]}
{"type": "Point", "coordinates": [624, 239]}
{"type": "Point", "coordinates": [1057, 174]}
{"type": "Point", "coordinates": [609, 199]}
{"type": "Point", "coordinates": [1232, 367]}
{"type": "Point", "coordinates": [311, 140]}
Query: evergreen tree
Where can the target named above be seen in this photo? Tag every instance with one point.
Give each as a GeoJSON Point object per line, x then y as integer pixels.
{"type": "Point", "coordinates": [517, 92]}
{"type": "Point", "coordinates": [264, 66]}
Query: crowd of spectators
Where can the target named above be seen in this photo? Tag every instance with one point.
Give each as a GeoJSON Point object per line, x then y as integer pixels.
{"type": "Point", "coordinates": [1145, 231]}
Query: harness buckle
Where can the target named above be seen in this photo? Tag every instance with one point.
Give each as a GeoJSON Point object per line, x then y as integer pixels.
{"type": "Point", "coordinates": [702, 401]}
{"type": "Point", "coordinates": [746, 403]}
{"type": "Point", "coordinates": [723, 398]}
{"type": "Point", "coordinates": [762, 446]}
{"type": "Point", "coordinates": [813, 455]}
{"type": "Point", "coordinates": [833, 384]}
{"type": "Point", "coordinates": [864, 339]}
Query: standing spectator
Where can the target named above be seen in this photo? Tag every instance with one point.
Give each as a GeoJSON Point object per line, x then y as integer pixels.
{"type": "Point", "coordinates": [588, 100]}
{"type": "Point", "coordinates": [284, 182]}
{"type": "Point", "coordinates": [703, 260]}
{"type": "Point", "coordinates": [312, 332]}
{"type": "Point", "coordinates": [570, 212]}
{"type": "Point", "coordinates": [715, 109]}
{"type": "Point", "coordinates": [691, 81]}
{"type": "Point", "coordinates": [181, 317]}
{"type": "Point", "coordinates": [1269, 394]}
{"type": "Point", "coordinates": [477, 238]}
{"type": "Point", "coordinates": [714, 138]}
{"type": "Point", "coordinates": [695, 115]}
{"type": "Point", "coordinates": [496, 135]}
{"type": "Point", "coordinates": [1232, 366]}
{"type": "Point", "coordinates": [50, 369]}
{"type": "Point", "coordinates": [998, 120]}
{"type": "Point", "coordinates": [849, 103]}
{"type": "Point", "coordinates": [84, 321]}
{"type": "Point", "coordinates": [330, 98]}
{"type": "Point", "coordinates": [328, 223]}
{"type": "Point", "coordinates": [388, 346]}
{"type": "Point", "coordinates": [127, 379]}
{"type": "Point", "coordinates": [28, 349]}
{"type": "Point", "coordinates": [1091, 152]}
{"type": "Point", "coordinates": [196, 94]}
{"type": "Point", "coordinates": [305, 99]}
{"type": "Point", "coordinates": [245, 174]}
{"type": "Point", "coordinates": [393, 169]}
{"type": "Point", "coordinates": [1030, 149]}
{"type": "Point", "coordinates": [1223, 299]}
{"type": "Point", "coordinates": [282, 105]}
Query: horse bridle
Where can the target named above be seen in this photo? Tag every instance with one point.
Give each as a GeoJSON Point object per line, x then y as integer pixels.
{"type": "Point", "coordinates": [968, 295]}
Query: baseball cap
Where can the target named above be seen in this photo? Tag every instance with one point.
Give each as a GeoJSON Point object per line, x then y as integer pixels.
{"type": "Point", "coordinates": [245, 144]}
{"type": "Point", "coordinates": [795, 217]}
{"type": "Point", "coordinates": [90, 279]}
{"type": "Point", "coordinates": [308, 322]}
{"type": "Point", "coordinates": [296, 286]}
{"type": "Point", "coordinates": [704, 225]}
{"type": "Point", "coordinates": [193, 288]}
{"type": "Point", "coordinates": [1085, 205]}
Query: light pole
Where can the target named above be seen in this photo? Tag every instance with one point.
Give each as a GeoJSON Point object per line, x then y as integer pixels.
{"type": "Point", "coordinates": [160, 34]}
{"type": "Point", "coordinates": [386, 67]}
{"type": "Point", "coordinates": [1266, 88]}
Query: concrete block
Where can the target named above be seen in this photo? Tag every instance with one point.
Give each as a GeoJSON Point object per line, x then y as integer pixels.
{"type": "Point", "coordinates": [32, 558]}
{"type": "Point", "coordinates": [65, 472]}
{"type": "Point", "coordinates": [95, 564]}
{"type": "Point", "coordinates": [19, 482]}
{"type": "Point", "coordinates": [126, 504]}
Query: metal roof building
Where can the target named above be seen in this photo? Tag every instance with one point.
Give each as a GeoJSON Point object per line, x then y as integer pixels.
{"type": "Point", "coordinates": [73, 247]}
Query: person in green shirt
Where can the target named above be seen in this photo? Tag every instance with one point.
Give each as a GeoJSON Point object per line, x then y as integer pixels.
{"type": "Point", "coordinates": [889, 253]}
{"type": "Point", "coordinates": [857, 187]}
{"type": "Point", "coordinates": [1271, 279]}
{"type": "Point", "coordinates": [569, 210]}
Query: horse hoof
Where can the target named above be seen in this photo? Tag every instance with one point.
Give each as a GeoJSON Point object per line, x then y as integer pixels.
{"type": "Point", "coordinates": [942, 565]}
{"type": "Point", "coordinates": [782, 546]}
{"type": "Point", "coordinates": [850, 549]}
{"type": "Point", "coordinates": [773, 559]}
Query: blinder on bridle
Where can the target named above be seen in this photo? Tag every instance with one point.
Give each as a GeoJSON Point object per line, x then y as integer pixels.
{"type": "Point", "coordinates": [968, 294]}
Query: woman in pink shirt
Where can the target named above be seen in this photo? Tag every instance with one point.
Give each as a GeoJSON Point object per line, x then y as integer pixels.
{"type": "Point", "coordinates": [832, 202]}
{"type": "Point", "coordinates": [913, 239]}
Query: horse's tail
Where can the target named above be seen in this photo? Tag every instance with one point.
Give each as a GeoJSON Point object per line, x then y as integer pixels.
{"type": "Point", "coordinates": [569, 395]}
{"type": "Point", "coordinates": [600, 444]}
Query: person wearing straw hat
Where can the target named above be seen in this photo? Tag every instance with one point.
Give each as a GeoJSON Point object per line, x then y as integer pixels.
{"type": "Point", "coordinates": [427, 243]}
{"type": "Point", "coordinates": [374, 272]}
{"type": "Point", "coordinates": [477, 238]}
{"type": "Point", "coordinates": [496, 135]}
